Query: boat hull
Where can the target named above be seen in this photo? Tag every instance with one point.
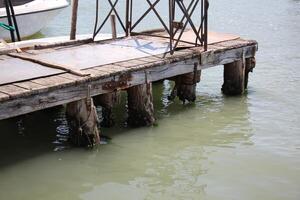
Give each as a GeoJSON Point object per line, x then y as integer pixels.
{"type": "Point", "coordinates": [30, 23]}
{"type": "Point", "coordinates": [32, 15]}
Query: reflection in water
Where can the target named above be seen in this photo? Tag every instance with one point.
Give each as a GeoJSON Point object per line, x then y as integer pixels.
{"type": "Point", "coordinates": [174, 167]}
{"type": "Point", "coordinates": [26, 137]}
{"type": "Point", "coordinates": [165, 177]}
{"type": "Point", "coordinates": [156, 163]}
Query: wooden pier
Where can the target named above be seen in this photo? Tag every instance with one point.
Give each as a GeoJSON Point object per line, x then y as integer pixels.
{"type": "Point", "coordinates": [73, 72]}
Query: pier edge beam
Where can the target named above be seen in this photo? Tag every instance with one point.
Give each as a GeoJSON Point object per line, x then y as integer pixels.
{"type": "Point", "coordinates": [185, 86]}
{"type": "Point", "coordinates": [107, 102]}
{"type": "Point", "coordinates": [140, 105]}
{"type": "Point", "coordinates": [234, 78]}
{"type": "Point", "coordinates": [83, 123]}
{"type": "Point", "coordinates": [250, 65]}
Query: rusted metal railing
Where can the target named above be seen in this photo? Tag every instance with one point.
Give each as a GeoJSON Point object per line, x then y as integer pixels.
{"type": "Point", "coordinates": [175, 30]}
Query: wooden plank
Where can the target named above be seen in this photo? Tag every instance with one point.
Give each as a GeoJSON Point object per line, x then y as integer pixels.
{"type": "Point", "coordinates": [213, 47]}
{"type": "Point", "coordinates": [186, 52]}
{"type": "Point", "coordinates": [132, 64]}
{"type": "Point", "coordinates": [12, 90]}
{"type": "Point", "coordinates": [114, 69]}
{"type": "Point", "coordinates": [126, 64]}
{"type": "Point", "coordinates": [139, 62]}
{"type": "Point", "coordinates": [235, 44]}
{"type": "Point", "coordinates": [53, 81]}
{"type": "Point", "coordinates": [221, 57]}
{"type": "Point", "coordinates": [96, 74]}
{"type": "Point", "coordinates": [151, 59]}
{"type": "Point", "coordinates": [188, 36]}
{"type": "Point", "coordinates": [163, 72]}
{"type": "Point", "coordinates": [71, 76]}
{"type": "Point", "coordinates": [89, 56]}
{"type": "Point", "coordinates": [17, 70]}
{"type": "Point", "coordinates": [75, 78]}
{"type": "Point", "coordinates": [47, 64]}
{"type": "Point", "coordinates": [3, 96]}
{"type": "Point", "coordinates": [29, 85]}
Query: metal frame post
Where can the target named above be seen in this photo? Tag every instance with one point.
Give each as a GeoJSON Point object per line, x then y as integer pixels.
{"type": "Point", "coordinates": [12, 21]}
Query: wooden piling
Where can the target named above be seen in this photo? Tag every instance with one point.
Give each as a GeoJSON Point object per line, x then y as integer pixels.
{"type": "Point", "coordinates": [234, 78]}
{"type": "Point", "coordinates": [250, 65]}
{"type": "Point", "coordinates": [107, 102]}
{"type": "Point", "coordinates": [185, 86]}
{"type": "Point", "coordinates": [83, 120]}
{"type": "Point", "coordinates": [74, 19]}
{"type": "Point", "coordinates": [140, 105]}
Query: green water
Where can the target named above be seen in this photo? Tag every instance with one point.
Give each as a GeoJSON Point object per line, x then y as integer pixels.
{"type": "Point", "coordinates": [221, 147]}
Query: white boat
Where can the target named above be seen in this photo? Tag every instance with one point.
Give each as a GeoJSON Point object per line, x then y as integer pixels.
{"type": "Point", "coordinates": [31, 15]}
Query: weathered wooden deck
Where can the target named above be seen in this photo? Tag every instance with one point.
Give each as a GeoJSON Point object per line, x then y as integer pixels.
{"type": "Point", "coordinates": [27, 96]}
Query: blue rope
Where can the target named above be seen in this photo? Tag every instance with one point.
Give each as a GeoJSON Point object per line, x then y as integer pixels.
{"type": "Point", "coordinates": [7, 27]}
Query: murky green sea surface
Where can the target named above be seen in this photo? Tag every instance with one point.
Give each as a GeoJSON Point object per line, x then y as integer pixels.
{"type": "Point", "coordinates": [227, 148]}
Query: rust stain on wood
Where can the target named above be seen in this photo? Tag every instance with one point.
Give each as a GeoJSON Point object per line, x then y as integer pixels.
{"type": "Point", "coordinates": [119, 84]}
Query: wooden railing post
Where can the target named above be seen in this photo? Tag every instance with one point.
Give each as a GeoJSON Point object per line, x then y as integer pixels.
{"type": "Point", "coordinates": [74, 19]}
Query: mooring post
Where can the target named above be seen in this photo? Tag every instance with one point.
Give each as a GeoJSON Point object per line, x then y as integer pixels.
{"type": "Point", "coordinates": [185, 86]}
{"type": "Point", "coordinates": [234, 78]}
{"type": "Point", "coordinates": [83, 123]}
{"type": "Point", "coordinates": [113, 26]}
{"type": "Point", "coordinates": [140, 105]}
{"type": "Point", "coordinates": [74, 19]}
{"type": "Point", "coordinates": [107, 102]}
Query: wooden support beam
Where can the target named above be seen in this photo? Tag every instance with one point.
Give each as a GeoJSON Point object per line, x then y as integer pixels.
{"type": "Point", "coordinates": [185, 86]}
{"type": "Point", "coordinates": [74, 19]}
{"type": "Point", "coordinates": [107, 102]}
{"type": "Point", "coordinates": [234, 78]}
{"type": "Point", "coordinates": [140, 105]}
{"type": "Point", "coordinates": [83, 120]}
